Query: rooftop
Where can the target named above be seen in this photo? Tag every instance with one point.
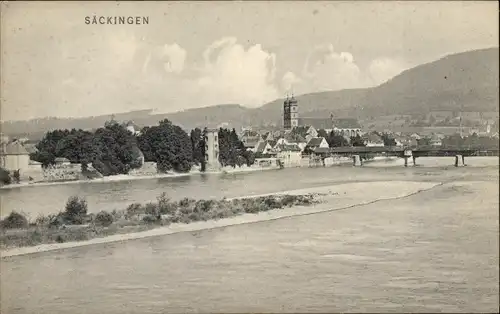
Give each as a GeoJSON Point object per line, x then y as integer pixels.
{"type": "Point", "coordinates": [14, 148]}
{"type": "Point", "coordinates": [315, 142]}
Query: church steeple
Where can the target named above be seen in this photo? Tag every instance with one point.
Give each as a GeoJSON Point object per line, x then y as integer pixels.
{"type": "Point", "coordinates": [290, 113]}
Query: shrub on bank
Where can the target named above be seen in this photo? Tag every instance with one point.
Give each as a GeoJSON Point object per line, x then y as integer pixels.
{"type": "Point", "coordinates": [134, 210]}
{"type": "Point", "coordinates": [103, 219]}
{"type": "Point", "coordinates": [76, 210]}
{"type": "Point", "coordinates": [54, 228]}
{"type": "Point", "coordinates": [15, 220]}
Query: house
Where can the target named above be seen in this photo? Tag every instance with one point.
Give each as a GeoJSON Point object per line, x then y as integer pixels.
{"type": "Point", "coordinates": [61, 161]}
{"type": "Point", "coordinates": [265, 147]}
{"type": "Point", "coordinates": [373, 140]}
{"type": "Point", "coordinates": [13, 156]}
{"type": "Point", "coordinates": [290, 155]}
{"type": "Point", "coordinates": [316, 142]}
{"type": "Point", "coordinates": [435, 140]}
{"type": "Point", "coordinates": [306, 132]}
{"type": "Point", "coordinates": [133, 128]}
{"type": "Point", "coordinates": [415, 136]}
{"type": "Point", "coordinates": [250, 139]}
{"type": "Point", "coordinates": [250, 144]}
{"type": "Point", "coordinates": [400, 141]}
{"type": "Point", "coordinates": [4, 138]}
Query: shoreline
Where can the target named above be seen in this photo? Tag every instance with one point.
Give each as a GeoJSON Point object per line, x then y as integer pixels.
{"type": "Point", "coordinates": [128, 177]}
{"type": "Point", "coordinates": [333, 197]}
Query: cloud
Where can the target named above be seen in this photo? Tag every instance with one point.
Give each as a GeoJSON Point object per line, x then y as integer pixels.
{"type": "Point", "coordinates": [327, 70]}
{"type": "Point", "coordinates": [175, 58]}
{"type": "Point", "coordinates": [382, 69]}
{"type": "Point", "coordinates": [330, 70]}
{"type": "Point", "coordinates": [233, 74]}
{"type": "Point", "coordinates": [290, 81]}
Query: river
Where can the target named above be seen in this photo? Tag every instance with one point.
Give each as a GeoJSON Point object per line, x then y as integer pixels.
{"type": "Point", "coordinates": [46, 199]}
{"type": "Point", "coordinates": [435, 251]}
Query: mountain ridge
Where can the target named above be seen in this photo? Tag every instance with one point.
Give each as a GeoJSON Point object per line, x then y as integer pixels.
{"type": "Point", "coordinates": [464, 81]}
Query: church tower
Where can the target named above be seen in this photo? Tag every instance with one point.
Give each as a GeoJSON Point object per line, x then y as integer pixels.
{"type": "Point", "coordinates": [290, 113]}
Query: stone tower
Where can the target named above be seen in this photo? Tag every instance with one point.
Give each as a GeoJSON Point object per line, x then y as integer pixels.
{"type": "Point", "coordinates": [212, 150]}
{"type": "Point", "coordinates": [290, 113]}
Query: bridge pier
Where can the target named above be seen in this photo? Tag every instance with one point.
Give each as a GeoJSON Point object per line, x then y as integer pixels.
{"type": "Point", "coordinates": [459, 160]}
{"type": "Point", "coordinates": [406, 155]}
{"type": "Point", "coordinates": [356, 160]}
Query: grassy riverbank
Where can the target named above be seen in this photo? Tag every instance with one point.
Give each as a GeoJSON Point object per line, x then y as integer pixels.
{"type": "Point", "coordinates": [75, 224]}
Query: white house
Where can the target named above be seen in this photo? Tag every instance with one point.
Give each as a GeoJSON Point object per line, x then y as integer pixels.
{"type": "Point", "coordinates": [290, 155]}
{"type": "Point", "coordinates": [13, 156]}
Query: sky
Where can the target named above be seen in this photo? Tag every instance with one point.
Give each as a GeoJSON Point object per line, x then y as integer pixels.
{"type": "Point", "coordinates": [198, 54]}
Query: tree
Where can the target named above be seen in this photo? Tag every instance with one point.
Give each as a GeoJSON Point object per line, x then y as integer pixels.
{"type": "Point", "coordinates": [113, 150]}
{"type": "Point", "coordinates": [232, 151]}
{"type": "Point", "coordinates": [336, 140]}
{"type": "Point", "coordinates": [143, 144]}
{"type": "Point", "coordinates": [198, 146]}
{"type": "Point", "coordinates": [170, 147]}
{"type": "Point", "coordinates": [322, 133]}
{"type": "Point", "coordinates": [388, 140]}
{"type": "Point", "coordinates": [357, 141]}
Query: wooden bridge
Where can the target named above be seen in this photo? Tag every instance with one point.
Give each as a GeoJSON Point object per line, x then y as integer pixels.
{"type": "Point", "coordinates": [361, 152]}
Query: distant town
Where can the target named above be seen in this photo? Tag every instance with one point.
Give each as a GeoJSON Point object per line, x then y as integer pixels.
{"type": "Point", "coordinates": [125, 148]}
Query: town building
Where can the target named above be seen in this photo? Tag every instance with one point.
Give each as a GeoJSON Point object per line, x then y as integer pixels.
{"type": "Point", "coordinates": [250, 139]}
{"type": "Point", "coordinates": [316, 142]}
{"type": "Point", "coordinates": [290, 155]}
{"type": "Point", "coordinates": [132, 128]}
{"type": "Point", "coordinates": [13, 156]}
{"type": "Point", "coordinates": [265, 148]}
{"type": "Point", "coordinates": [212, 149]}
{"type": "Point", "coordinates": [373, 140]}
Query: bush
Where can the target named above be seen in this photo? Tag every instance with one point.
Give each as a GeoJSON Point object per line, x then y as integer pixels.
{"type": "Point", "coordinates": [16, 175]}
{"type": "Point", "coordinates": [103, 219]}
{"type": "Point", "coordinates": [5, 177]}
{"type": "Point", "coordinates": [165, 206]}
{"type": "Point", "coordinates": [272, 203]}
{"type": "Point", "coordinates": [133, 210]}
{"type": "Point", "coordinates": [288, 200]}
{"type": "Point", "coordinates": [15, 220]}
{"type": "Point", "coordinates": [203, 206]}
{"type": "Point", "coordinates": [150, 219]}
{"type": "Point", "coordinates": [152, 209]}
{"type": "Point", "coordinates": [76, 210]}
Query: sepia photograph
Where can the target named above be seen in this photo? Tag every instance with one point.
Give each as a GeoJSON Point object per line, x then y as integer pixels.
{"type": "Point", "coordinates": [249, 157]}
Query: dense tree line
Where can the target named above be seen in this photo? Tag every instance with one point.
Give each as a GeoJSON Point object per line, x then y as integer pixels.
{"type": "Point", "coordinates": [473, 141]}
{"type": "Point", "coordinates": [111, 150]}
